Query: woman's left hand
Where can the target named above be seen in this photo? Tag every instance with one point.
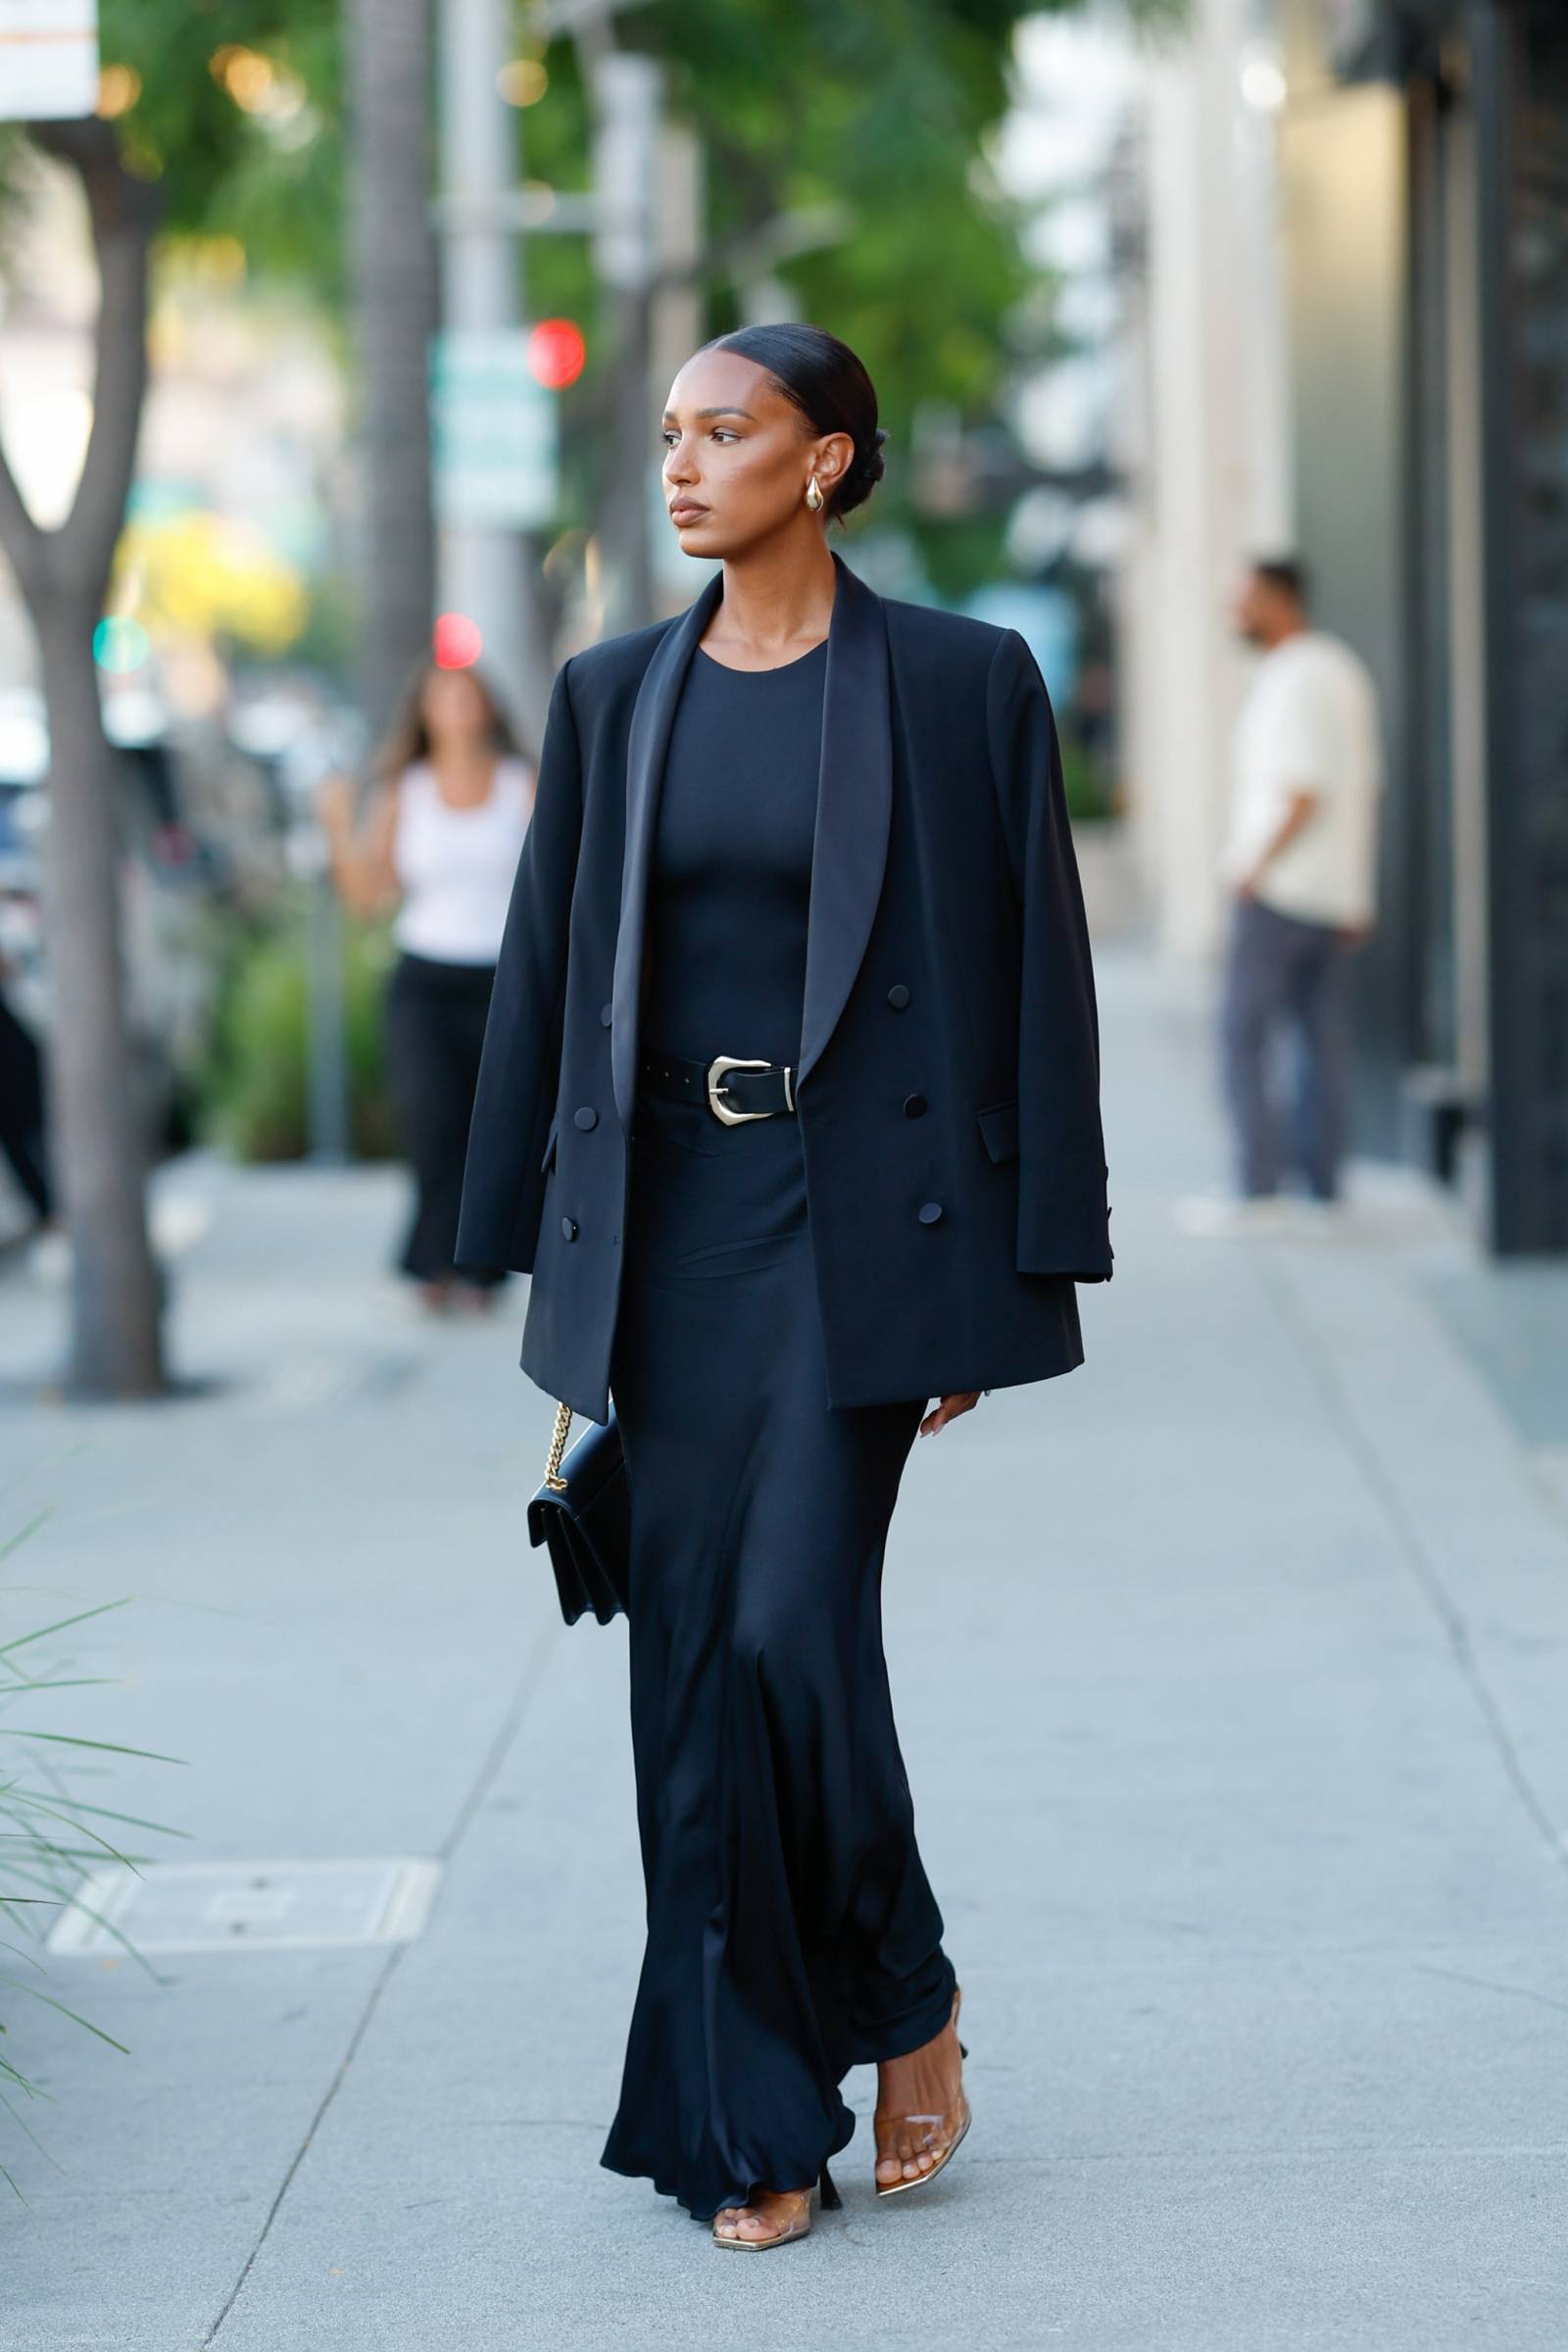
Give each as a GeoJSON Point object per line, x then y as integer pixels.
{"type": "Point", "coordinates": [948, 1409]}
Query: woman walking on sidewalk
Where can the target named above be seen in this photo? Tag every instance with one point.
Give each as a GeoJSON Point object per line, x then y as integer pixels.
{"type": "Point", "coordinates": [790, 1102]}
{"type": "Point", "coordinates": [440, 843]}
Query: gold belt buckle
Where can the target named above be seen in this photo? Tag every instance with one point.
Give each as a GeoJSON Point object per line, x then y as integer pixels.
{"type": "Point", "coordinates": [715, 1087]}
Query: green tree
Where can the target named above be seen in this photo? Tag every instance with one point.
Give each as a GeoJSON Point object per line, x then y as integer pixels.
{"type": "Point", "coordinates": [229, 114]}
{"type": "Point", "coordinates": [846, 153]}
{"type": "Point", "coordinates": [199, 124]}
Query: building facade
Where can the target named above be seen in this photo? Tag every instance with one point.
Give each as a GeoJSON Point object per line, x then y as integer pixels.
{"type": "Point", "coordinates": [1356, 268]}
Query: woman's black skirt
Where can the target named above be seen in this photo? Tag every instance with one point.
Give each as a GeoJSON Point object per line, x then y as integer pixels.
{"type": "Point", "coordinates": [792, 1933]}
{"type": "Point", "coordinates": [435, 1018]}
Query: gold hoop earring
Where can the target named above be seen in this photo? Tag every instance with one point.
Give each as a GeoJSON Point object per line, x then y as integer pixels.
{"type": "Point", "coordinates": [814, 496]}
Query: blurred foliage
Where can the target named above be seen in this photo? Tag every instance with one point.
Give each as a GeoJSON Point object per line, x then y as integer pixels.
{"type": "Point", "coordinates": [254, 1082]}
{"type": "Point", "coordinates": [254, 149]}
{"type": "Point", "coordinates": [882, 112]}
{"type": "Point", "coordinates": [1091, 792]}
{"type": "Point", "coordinates": [208, 575]}
{"type": "Point", "coordinates": [50, 1835]}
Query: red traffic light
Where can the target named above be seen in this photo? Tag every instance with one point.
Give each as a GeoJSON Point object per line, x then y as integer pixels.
{"type": "Point", "coordinates": [455, 642]}
{"type": "Point", "coordinates": [556, 353]}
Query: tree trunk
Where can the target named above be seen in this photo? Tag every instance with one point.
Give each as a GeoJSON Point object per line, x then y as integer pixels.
{"type": "Point", "coordinates": [396, 306]}
{"type": "Point", "coordinates": [97, 1149]}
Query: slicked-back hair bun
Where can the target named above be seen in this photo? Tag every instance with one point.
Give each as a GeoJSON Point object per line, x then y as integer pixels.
{"type": "Point", "coordinates": [829, 385]}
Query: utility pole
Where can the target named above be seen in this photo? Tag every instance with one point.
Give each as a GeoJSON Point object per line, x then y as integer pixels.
{"type": "Point", "coordinates": [489, 572]}
{"type": "Point", "coordinates": [627, 91]}
{"type": "Point", "coordinates": [642, 218]}
{"type": "Point", "coordinates": [676, 324]}
{"type": "Point", "coordinates": [393, 268]}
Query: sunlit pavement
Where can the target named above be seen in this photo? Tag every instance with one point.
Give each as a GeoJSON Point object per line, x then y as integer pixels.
{"type": "Point", "coordinates": [1230, 1673]}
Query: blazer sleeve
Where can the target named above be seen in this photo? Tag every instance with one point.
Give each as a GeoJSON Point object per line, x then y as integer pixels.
{"type": "Point", "coordinates": [1063, 1220]}
{"type": "Point", "coordinates": [520, 1064]}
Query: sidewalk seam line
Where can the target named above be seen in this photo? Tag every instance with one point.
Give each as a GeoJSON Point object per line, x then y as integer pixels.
{"type": "Point", "coordinates": [1428, 1578]}
{"type": "Point", "coordinates": [483, 1780]}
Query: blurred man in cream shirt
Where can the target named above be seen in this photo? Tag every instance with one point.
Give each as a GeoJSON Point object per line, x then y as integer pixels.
{"type": "Point", "coordinates": [1300, 860]}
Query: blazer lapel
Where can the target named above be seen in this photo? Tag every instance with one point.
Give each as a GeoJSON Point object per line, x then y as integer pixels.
{"type": "Point", "coordinates": [648, 740]}
{"type": "Point", "coordinates": [853, 809]}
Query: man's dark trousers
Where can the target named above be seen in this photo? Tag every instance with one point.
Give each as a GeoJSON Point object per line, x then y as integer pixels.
{"type": "Point", "coordinates": [1284, 972]}
{"type": "Point", "coordinates": [22, 1108]}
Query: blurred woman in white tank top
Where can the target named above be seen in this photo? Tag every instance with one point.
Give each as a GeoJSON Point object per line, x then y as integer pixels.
{"type": "Point", "coordinates": [439, 841]}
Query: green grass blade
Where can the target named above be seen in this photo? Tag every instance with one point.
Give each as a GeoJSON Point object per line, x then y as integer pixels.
{"type": "Point", "coordinates": [32, 1528]}
{"type": "Point", "coordinates": [60, 1623]}
{"type": "Point", "coordinates": [132, 1821]}
{"type": "Point", "coordinates": [112, 1747]}
{"type": "Point", "coordinates": [73, 1902]}
{"type": "Point", "coordinates": [25, 1685]}
{"type": "Point", "coordinates": [82, 1830]}
{"type": "Point", "coordinates": [49, 2002]}
{"type": "Point", "coordinates": [22, 2125]}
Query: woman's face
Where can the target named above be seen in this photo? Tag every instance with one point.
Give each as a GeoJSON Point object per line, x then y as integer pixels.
{"type": "Point", "coordinates": [738, 456]}
{"type": "Point", "coordinates": [452, 707]}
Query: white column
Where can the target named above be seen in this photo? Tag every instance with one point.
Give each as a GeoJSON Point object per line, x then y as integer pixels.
{"type": "Point", "coordinates": [1209, 448]}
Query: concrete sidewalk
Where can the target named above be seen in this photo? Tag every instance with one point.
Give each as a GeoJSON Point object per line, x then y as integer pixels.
{"type": "Point", "coordinates": [1230, 1673]}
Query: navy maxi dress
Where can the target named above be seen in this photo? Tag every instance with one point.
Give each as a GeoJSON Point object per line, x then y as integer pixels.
{"type": "Point", "coordinates": [792, 1933]}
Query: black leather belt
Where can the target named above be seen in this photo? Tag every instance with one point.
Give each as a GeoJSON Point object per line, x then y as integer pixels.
{"type": "Point", "coordinates": [733, 1090]}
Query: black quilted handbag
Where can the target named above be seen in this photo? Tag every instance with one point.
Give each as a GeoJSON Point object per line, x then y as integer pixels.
{"type": "Point", "coordinates": [583, 1515]}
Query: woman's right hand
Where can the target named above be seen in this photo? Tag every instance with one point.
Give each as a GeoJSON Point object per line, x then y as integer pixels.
{"type": "Point", "coordinates": [335, 800]}
{"type": "Point", "coordinates": [361, 845]}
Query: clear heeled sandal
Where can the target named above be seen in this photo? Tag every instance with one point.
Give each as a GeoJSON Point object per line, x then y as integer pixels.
{"type": "Point", "coordinates": [799, 2226]}
{"type": "Point", "coordinates": [938, 2135]}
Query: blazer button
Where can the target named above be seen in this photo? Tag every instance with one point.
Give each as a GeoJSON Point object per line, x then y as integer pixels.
{"type": "Point", "coordinates": [607, 1013]}
{"type": "Point", "coordinates": [897, 996]}
{"type": "Point", "coordinates": [585, 1119]}
{"type": "Point", "coordinates": [930, 1210]}
{"type": "Point", "coordinates": [569, 1228]}
{"type": "Point", "coordinates": [915, 1107]}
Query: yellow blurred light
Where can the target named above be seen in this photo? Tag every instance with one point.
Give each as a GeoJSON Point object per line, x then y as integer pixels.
{"type": "Point", "coordinates": [203, 575]}
{"type": "Point", "coordinates": [522, 81]}
{"type": "Point", "coordinates": [218, 261]}
{"type": "Point", "coordinates": [118, 88]}
{"type": "Point", "coordinates": [245, 73]}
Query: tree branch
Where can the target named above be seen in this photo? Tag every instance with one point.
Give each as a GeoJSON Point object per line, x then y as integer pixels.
{"type": "Point", "coordinates": [124, 213]}
{"type": "Point", "coordinates": [21, 540]}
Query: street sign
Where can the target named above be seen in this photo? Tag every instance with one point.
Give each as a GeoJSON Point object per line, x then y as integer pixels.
{"type": "Point", "coordinates": [48, 59]}
{"type": "Point", "coordinates": [495, 432]}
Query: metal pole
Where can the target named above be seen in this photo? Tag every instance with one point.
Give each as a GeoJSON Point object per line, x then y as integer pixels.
{"type": "Point", "coordinates": [627, 97]}
{"type": "Point", "coordinates": [1518, 1206]}
{"type": "Point", "coordinates": [484, 573]}
{"type": "Point", "coordinates": [326, 1047]}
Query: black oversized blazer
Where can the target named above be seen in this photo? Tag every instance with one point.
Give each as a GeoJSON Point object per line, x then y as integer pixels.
{"type": "Point", "coordinates": [947, 965]}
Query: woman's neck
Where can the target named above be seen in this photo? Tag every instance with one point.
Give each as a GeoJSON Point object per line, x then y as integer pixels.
{"type": "Point", "coordinates": [462, 771]}
{"type": "Point", "coordinates": [777, 602]}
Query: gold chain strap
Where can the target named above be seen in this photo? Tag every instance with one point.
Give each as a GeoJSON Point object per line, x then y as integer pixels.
{"type": "Point", "coordinates": [558, 1446]}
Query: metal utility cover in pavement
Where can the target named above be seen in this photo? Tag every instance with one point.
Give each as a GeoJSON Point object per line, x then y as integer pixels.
{"type": "Point", "coordinates": [235, 1906]}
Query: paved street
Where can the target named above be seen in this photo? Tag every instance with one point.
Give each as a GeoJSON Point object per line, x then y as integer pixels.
{"type": "Point", "coordinates": [1230, 1673]}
